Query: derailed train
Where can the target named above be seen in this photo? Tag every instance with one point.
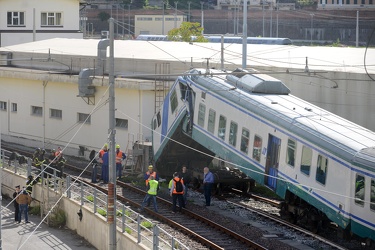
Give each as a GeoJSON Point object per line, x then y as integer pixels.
{"type": "Point", "coordinates": [321, 164]}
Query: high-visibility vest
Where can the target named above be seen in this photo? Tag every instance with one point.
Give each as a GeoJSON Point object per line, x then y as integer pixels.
{"type": "Point", "coordinates": [119, 157]}
{"type": "Point", "coordinates": [153, 174]}
{"type": "Point", "coordinates": [153, 187]}
{"type": "Point", "coordinates": [101, 153]}
{"type": "Point", "coordinates": [174, 186]}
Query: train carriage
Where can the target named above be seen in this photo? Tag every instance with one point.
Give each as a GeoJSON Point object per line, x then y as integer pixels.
{"type": "Point", "coordinates": [321, 164]}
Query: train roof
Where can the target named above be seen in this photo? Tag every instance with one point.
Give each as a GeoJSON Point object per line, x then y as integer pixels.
{"type": "Point", "coordinates": [295, 116]}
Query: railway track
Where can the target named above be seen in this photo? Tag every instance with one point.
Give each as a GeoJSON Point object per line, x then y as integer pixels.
{"type": "Point", "coordinates": [203, 230]}
{"type": "Point", "coordinates": [199, 228]}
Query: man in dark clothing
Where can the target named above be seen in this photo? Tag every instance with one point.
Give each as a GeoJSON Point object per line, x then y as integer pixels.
{"type": "Point", "coordinates": [177, 192]}
{"type": "Point", "coordinates": [186, 177]}
{"type": "Point", "coordinates": [208, 182]}
{"type": "Point", "coordinates": [15, 203]}
{"type": "Point", "coordinates": [94, 164]}
{"type": "Point", "coordinates": [30, 183]}
{"type": "Point", "coordinates": [105, 167]}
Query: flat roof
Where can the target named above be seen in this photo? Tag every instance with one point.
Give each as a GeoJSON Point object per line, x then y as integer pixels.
{"type": "Point", "coordinates": [341, 59]}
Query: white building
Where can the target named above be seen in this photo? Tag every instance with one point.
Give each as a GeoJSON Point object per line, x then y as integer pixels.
{"type": "Point", "coordinates": [154, 24]}
{"type": "Point", "coordinates": [23, 21]}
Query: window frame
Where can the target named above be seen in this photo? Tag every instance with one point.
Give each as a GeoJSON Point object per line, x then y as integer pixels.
{"type": "Point", "coordinates": [359, 201]}
{"type": "Point", "coordinates": [173, 101]}
{"type": "Point", "coordinates": [55, 113]}
{"type": "Point", "coordinates": [211, 121]}
{"type": "Point", "coordinates": [122, 123]}
{"type": "Point", "coordinates": [233, 129]}
{"type": "Point", "coordinates": [83, 118]}
{"type": "Point", "coordinates": [36, 110]}
{"type": "Point", "coordinates": [244, 138]}
{"type": "Point", "coordinates": [321, 159]}
{"type": "Point", "coordinates": [307, 173]}
{"type": "Point", "coordinates": [290, 147]}
{"type": "Point", "coordinates": [51, 19]}
{"type": "Point", "coordinates": [14, 107]}
{"type": "Point", "coordinates": [20, 18]}
{"type": "Point", "coordinates": [201, 114]}
{"type": "Point", "coordinates": [3, 105]}
{"type": "Point", "coordinates": [222, 128]}
{"type": "Point", "coordinates": [257, 148]}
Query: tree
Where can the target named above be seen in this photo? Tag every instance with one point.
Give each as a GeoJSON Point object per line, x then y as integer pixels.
{"type": "Point", "coordinates": [104, 16]}
{"type": "Point", "coordinates": [187, 32]}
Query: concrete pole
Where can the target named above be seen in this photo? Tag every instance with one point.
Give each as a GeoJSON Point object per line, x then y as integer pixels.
{"type": "Point", "coordinates": [222, 52]}
{"type": "Point", "coordinates": [202, 18]}
{"type": "Point", "coordinates": [111, 214]}
{"type": "Point", "coordinates": [244, 37]}
{"type": "Point", "coordinates": [263, 17]}
{"type": "Point", "coordinates": [175, 15]}
{"type": "Point", "coordinates": [271, 19]}
{"type": "Point", "coordinates": [129, 19]}
{"type": "Point", "coordinates": [311, 30]}
{"type": "Point", "coordinates": [357, 30]}
{"type": "Point", "coordinates": [34, 26]}
{"type": "Point", "coordinates": [189, 11]}
{"type": "Point", "coordinates": [162, 25]}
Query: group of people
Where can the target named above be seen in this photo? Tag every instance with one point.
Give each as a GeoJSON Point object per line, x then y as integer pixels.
{"type": "Point", "coordinates": [22, 199]}
{"type": "Point", "coordinates": [103, 160]}
{"type": "Point", "coordinates": [178, 187]}
{"type": "Point", "coordinates": [55, 160]}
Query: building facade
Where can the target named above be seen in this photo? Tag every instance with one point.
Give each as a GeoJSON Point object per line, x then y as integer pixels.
{"type": "Point", "coordinates": [155, 25]}
{"type": "Point", "coordinates": [23, 21]}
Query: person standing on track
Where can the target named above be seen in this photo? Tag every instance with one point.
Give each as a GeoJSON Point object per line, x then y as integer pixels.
{"type": "Point", "coordinates": [186, 177]}
{"type": "Point", "coordinates": [120, 156]}
{"type": "Point", "coordinates": [151, 194]}
{"type": "Point", "coordinates": [105, 167]}
{"type": "Point", "coordinates": [208, 182]}
{"type": "Point", "coordinates": [100, 160]}
{"type": "Point", "coordinates": [94, 164]}
{"type": "Point", "coordinates": [177, 192]}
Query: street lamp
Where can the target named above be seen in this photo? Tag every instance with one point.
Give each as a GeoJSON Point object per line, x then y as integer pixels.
{"type": "Point", "coordinates": [311, 30]}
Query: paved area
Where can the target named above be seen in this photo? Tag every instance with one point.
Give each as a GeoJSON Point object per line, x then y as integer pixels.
{"type": "Point", "coordinates": [30, 236]}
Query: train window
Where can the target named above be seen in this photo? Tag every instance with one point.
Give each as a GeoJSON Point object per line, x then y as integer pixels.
{"type": "Point", "coordinates": [201, 114]}
{"type": "Point", "coordinates": [245, 140]}
{"type": "Point", "coordinates": [233, 133]}
{"type": "Point", "coordinates": [155, 124]}
{"type": "Point", "coordinates": [359, 189]}
{"type": "Point", "coordinates": [372, 195]}
{"type": "Point", "coordinates": [173, 100]}
{"type": "Point", "coordinates": [321, 170]}
{"type": "Point", "coordinates": [222, 125]}
{"type": "Point", "coordinates": [158, 116]}
{"type": "Point", "coordinates": [257, 149]}
{"type": "Point", "coordinates": [306, 160]}
{"type": "Point", "coordinates": [291, 153]}
{"type": "Point", "coordinates": [211, 120]}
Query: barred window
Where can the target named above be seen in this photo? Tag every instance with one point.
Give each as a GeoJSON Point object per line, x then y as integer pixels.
{"type": "Point", "coordinates": [121, 123]}
{"type": "Point", "coordinates": [55, 113]}
{"type": "Point", "coordinates": [14, 107]}
{"type": "Point", "coordinates": [84, 118]}
{"type": "Point", "coordinates": [3, 105]}
{"type": "Point", "coordinates": [35, 110]}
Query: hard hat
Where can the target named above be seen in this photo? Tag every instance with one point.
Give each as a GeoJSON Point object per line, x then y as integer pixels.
{"type": "Point", "coordinates": [150, 167]}
{"type": "Point", "coordinates": [117, 146]}
{"type": "Point", "coordinates": [53, 150]}
{"type": "Point", "coordinates": [105, 145]}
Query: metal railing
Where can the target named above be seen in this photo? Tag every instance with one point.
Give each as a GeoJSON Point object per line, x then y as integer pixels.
{"type": "Point", "coordinates": [130, 221]}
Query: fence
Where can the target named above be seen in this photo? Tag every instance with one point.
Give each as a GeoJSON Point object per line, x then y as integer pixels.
{"type": "Point", "coordinates": [144, 230]}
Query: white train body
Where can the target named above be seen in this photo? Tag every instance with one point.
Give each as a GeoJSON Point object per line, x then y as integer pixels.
{"type": "Point", "coordinates": [281, 141]}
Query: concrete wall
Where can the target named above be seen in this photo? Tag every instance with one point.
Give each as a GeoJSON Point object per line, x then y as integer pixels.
{"type": "Point", "coordinates": [93, 227]}
{"type": "Point", "coordinates": [134, 102]}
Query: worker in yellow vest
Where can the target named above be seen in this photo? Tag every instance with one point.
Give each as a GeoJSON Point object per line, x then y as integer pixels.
{"type": "Point", "coordinates": [151, 193]}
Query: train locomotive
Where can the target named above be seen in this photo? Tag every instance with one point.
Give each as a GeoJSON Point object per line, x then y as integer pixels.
{"type": "Point", "coordinates": [321, 164]}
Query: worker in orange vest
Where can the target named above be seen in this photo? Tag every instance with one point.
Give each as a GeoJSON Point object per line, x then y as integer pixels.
{"type": "Point", "coordinates": [147, 178]}
{"type": "Point", "coordinates": [120, 156]}
{"type": "Point", "coordinates": [102, 151]}
{"type": "Point", "coordinates": [177, 192]}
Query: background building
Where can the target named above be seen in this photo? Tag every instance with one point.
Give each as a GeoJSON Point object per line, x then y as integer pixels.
{"type": "Point", "coordinates": [24, 21]}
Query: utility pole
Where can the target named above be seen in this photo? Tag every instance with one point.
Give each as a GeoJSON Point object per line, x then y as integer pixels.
{"type": "Point", "coordinates": [202, 24]}
{"type": "Point", "coordinates": [311, 30]}
{"type": "Point", "coordinates": [129, 18]}
{"type": "Point", "coordinates": [111, 218]}
{"type": "Point", "coordinates": [189, 11]}
{"type": "Point", "coordinates": [162, 25]}
{"type": "Point", "coordinates": [271, 18]}
{"type": "Point", "coordinates": [357, 30]}
{"type": "Point", "coordinates": [175, 15]}
{"type": "Point", "coordinates": [244, 33]}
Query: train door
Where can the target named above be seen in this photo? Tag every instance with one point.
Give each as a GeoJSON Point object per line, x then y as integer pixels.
{"type": "Point", "coordinates": [272, 162]}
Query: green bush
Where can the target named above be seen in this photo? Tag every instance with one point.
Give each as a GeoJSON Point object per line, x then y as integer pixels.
{"type": "Point", "coordinates": [128, 230]}
{"type": "Point", "coordinates": [147, 224]}
{"type": "Point", "coordinates": [102, 212]}
{"type": "Point", "coordinates": [90, 198]}
{"type": "Point", "coordinates": [34, 210]}
{"type": "Point", "coordinates": [57, 219]}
